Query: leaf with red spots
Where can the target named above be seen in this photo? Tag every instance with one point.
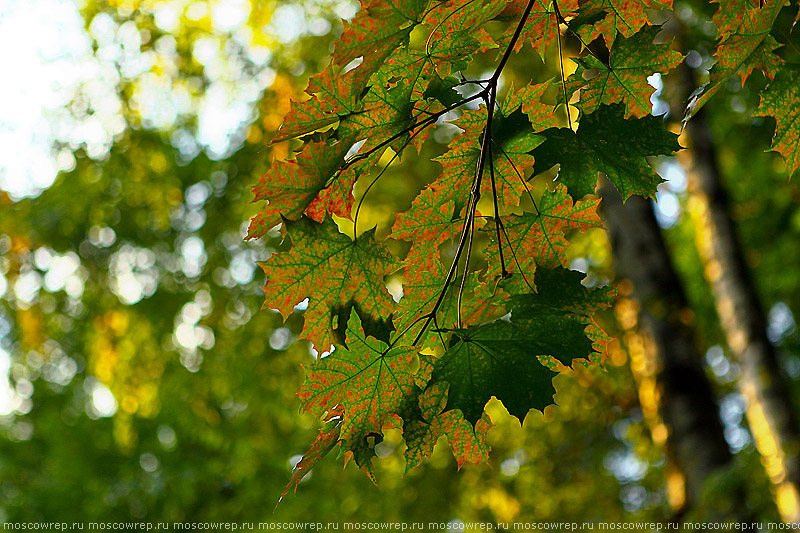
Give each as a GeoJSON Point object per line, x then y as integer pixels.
{"type": "Point", "coordinates": [331, 270]}
{"type": "Point", "coordinates": [379, 28]}
{"type": "Point", "coordinates": [746, 44]}
{"type": "Point", "coordinates": [467, 443]}
{"type": "Point", "coordinates": [512, 140]}
{"type": "Point", "coordinates": [606, 142]}
{"type": "Point", "coordinates": [624, 77]}
{"type": "Point", "coordinates": [430, 222]}
{"type": "Point", "coordinates": [537, 238]}
{"type": "Point", "coordinates": [336, 198]}
{"type": "Point", "coordinates": [541, 27]}
{"type": "Point", "coordinates": [529, 100]}
{"type": "Point", "coordinates": [611, 17]}
{"type": "Point", "coordinates": [289, 187]}
{"type": "Point", "coordinates": [424, 287]}
{"type": "Point", "coordinates": [328, 438]}
{"type": "Point", "coordinates": [456, 32]}
{"type": "Point", "coordinates": [782, 101]}
{"type": "Point", "coordinates": [388, 107]}
{"type": "Point", "coordinates": [333, 97]}
{"type": "Point", "coordinates": [373, 381]}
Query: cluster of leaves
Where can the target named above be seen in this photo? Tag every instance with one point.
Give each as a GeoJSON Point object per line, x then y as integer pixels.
{"type": "Point", "coordinates": [488, 308]}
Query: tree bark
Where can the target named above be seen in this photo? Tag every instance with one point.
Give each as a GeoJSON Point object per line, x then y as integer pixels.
{"type": "Point", "coordinates": [687, 402]}
{"type": "Point", "coordinates": [772, 420]}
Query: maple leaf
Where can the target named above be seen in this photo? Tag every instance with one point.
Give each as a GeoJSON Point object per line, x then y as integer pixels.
{"type": "Point", "coordinates": [289, 187]}
{"type": "Point", "coordinates": [542, 25]}
{"type": "Point", "coordinates": [537, 238]}
{"type": "Point", "coordinates": [373, 381]}
{"type": "Point", "coordinates": [606, 142]}
{"type": "Point", "coordinates": [327, 438]}
{"type": "Point", "coordinates": [746, 44]}
{"type": "Point", "coordinates": [467, 443]}
{"type": "Point", "coordinates": [625, 17]}
{"type": "Point", "coordinates": [430, 222]}
{"type": "Point", "coordinates": [500, 359]}
{"type": "Point", "coordinates": [333, 96]}
{"type": "Point", "coordinates": [782, 101]}
{"type": "Point", "coordinates": [460, 159]}
{"type": "Point", "coordinates": [561, 292]}
{"type": "Point", "coordinates": [529, 100]}
{"type": "Point", "coordinates": [331, 270]}
{"type": "Point", "coordinates": [388, 106]}
{"type": "Point", "coordinates": [422, 289]}
{"type": "Point", "coordinates": [336, 197]}
{"type": "Point", "coordinates": [361, 449]}
{"type": "Point", "coordinates": [512, 140]}
{"type": "Point", "coordinates": [624, 78]}
{"type": "Point", "coordinates": [379, 28]}
{"type": "Point", "coordinates": [456, 33]}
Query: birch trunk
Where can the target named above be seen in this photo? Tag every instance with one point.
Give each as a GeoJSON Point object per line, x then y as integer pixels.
{"type": "Point", "coordinates": [772, 420]}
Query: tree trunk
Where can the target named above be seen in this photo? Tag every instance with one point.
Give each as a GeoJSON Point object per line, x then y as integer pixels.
{"type": "Point", "coordinates": [770, 416]}
{"type": "Point", "coordinates": [686, 400]}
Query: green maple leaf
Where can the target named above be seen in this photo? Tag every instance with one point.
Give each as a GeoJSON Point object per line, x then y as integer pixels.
{"type": "Point", "coordinates": [745, 44]}
{"type": "Point", "coordinates": [625, 17]}
{"type": "Point", "coordinates": [467, 443]}
{"type": "Point", "coordinates": [331, 270]}
{"type": "Point", "coordinates": [624, 78]}
{"type": "Point", "coordinates": [541, 27]}
{"type": "Point", "coordinates": [371, 380]}
{"type": "Point", "coordinates": [606, 142]}
{"type": "Point", "coordinates": [782, 101]}
{"type": "Point", "coordinates": [537, 238]}
{"type": "Point", "coordinates": [500, 359]}
{"type": "Point", "coordinates": [560, 292]}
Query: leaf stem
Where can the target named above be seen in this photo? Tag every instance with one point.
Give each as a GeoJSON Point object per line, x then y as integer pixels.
{"type": "Point", "coordinates": [498, 222]}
